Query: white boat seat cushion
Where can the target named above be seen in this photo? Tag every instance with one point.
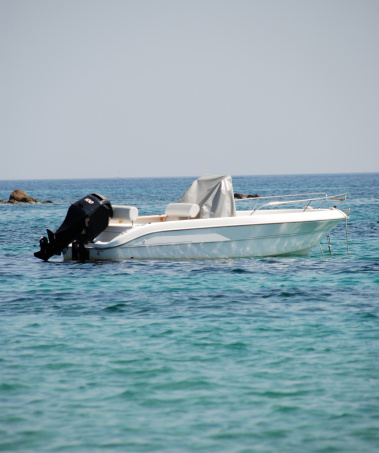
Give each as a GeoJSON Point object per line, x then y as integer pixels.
{"type": "Point", "coordinates": [125, 212]}
{"type": "Point", "coordinates": [188, 210]}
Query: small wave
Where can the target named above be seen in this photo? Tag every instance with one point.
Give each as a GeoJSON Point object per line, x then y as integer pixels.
{"type": "Point", "coordinates": [115, 308]}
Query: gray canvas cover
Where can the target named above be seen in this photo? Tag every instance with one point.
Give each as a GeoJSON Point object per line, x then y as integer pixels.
{"type": "Point", "coordinates": [213, 194]}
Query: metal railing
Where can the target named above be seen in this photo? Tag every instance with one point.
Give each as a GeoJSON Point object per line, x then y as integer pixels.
{"type": "Point", "coordinates": [308, 200]}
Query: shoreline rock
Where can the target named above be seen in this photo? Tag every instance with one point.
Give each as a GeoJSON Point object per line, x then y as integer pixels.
{"type": "Point", "coordinates": [240, 196]}
{"type": "Point", "coordinates": [20, 197]}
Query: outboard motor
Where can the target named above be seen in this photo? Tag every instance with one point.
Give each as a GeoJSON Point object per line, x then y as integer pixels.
{"type": "Point", "coordinates": [84, 221]}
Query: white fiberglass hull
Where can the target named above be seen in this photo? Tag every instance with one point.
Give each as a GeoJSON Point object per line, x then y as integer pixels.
{"type": "Point", "coordinates": [267, 234]}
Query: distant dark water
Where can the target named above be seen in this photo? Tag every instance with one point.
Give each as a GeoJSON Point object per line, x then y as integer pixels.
{"type": "Point", "coordinates": [263, 355]}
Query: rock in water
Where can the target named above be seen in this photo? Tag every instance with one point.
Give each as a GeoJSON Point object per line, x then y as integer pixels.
{"type": "Point", "coordinates": [240, 196]}
{"type": "Point", "coordinates": [19, 196]}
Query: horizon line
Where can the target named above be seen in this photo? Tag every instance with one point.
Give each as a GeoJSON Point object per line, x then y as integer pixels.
{"type": "Point", "coordinates": [181, 176]}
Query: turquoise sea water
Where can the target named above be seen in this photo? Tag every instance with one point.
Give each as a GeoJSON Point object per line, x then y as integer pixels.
{"type": "Point", "coordinates": [244, 355]}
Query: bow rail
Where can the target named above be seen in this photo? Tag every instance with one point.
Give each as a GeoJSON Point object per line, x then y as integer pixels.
{"type": "Point", "coordinates": [307, 198]}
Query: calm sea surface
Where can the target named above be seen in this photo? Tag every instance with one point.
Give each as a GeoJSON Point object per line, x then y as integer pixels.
{"type": "Point", "coordinates": [243, 355]}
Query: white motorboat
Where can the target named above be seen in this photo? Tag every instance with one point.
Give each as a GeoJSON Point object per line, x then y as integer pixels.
{"type": "Point", "coordinates": [203, 224]}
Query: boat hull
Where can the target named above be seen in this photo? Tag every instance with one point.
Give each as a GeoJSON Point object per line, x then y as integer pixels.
{"type": "Point", "coordinates": [255, 237]}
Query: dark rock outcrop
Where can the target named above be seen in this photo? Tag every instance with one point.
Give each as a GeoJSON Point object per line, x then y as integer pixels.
{"type": "Point", "coordinates": [240, 196]}
{"type": "Point", "coordinates": [19, 196]}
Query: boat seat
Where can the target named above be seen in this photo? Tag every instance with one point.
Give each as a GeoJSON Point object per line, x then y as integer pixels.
{"type": "Point", "coordinates": [125, 213]}
{"type": "Point", "coordinates": [187, 210]}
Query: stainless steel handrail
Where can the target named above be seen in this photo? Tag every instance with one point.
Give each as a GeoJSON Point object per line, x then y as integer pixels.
{"type": "Point", "coordinates": [340, 198]}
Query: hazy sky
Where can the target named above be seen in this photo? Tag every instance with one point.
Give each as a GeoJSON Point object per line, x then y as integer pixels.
{"type": "Point", "coordinates": [94, 88]}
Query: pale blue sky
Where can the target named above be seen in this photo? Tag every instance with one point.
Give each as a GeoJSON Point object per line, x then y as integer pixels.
{"type": "Point", "coordinates": [124, 88]}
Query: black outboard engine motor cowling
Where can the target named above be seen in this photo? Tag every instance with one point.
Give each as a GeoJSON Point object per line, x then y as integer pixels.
{"type": "Point", "coordinates": [84, 221]}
